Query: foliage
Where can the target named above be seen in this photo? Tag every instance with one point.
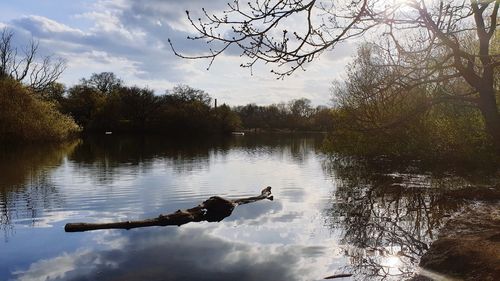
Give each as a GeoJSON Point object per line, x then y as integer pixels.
{"type": "Point", "coordinates": [53, 92]}
{"type": "Point", "coordinates": [25, 117]}
{"type": "Point", "coordinates": [101, 103]}
{"type": "Point", "coordinates": [445, 132]}
{"type": "Point", "coordinates": [84, 104]}
{"type": "Point", "coordinates": [375, 118]}
{"type": "Point", "coordinates": [181, 110]}
{"type": "Point", "coordinates": [226, 119]}
{"type": "Point", "coordinates": [298, 114]}
{"type": "Point", "coordinates": [104, 82]}
{"type": "Point", "coordinates": [186, 94]}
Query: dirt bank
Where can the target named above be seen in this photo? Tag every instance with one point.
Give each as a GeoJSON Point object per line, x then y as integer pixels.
{"type": "Point", "coordinates": [468, 247]}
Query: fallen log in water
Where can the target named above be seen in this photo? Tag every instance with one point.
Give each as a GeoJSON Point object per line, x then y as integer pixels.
{"type": "Point", "coordinates": [213, 209]}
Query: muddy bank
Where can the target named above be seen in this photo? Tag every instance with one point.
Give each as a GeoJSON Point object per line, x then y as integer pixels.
{"type": "Point", "coordinates": [468, 247]}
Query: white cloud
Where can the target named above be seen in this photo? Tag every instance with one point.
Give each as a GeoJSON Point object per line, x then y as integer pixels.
{"type": "Point", "coordinates": [51, 269]}
{"type": "Point", "coordinates": [51, 26]}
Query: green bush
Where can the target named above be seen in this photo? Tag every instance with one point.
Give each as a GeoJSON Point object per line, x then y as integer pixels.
{"type": "Point", "coordinates": [25, 117]}
{"type": "Point", "coordinates": [380, 112]}
{"type": "Point", "coordinates": [446, 132]}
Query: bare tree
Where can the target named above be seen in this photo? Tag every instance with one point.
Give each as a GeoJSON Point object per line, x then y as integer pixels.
{"type": "Point", "coordinates": [24, 65]}
{"type": "Point", "coordinates": [428, 43]}
{"type": "Point", "coordinates": [105, 82]}
{"type": "Point", "coordinates": [184, 93]}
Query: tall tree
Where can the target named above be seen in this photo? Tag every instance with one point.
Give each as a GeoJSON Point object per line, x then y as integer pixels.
{"type": "Point", "coordinates": [186, 94]}
{"type": "Point", "coordinates": [104, 82]}
{"type": "Point", "coordinates": [139, 105]}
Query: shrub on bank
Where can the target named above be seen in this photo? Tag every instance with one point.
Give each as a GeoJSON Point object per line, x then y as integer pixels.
{"type": "Point", "coordinates": [446, 132]}
{"type": "Point", "coordinates": [25, 117]}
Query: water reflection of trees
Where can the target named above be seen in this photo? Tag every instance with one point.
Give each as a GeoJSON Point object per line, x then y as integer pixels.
{"type": "Point", "coordinates": [295, 146]}
{"type": "Point", "coordinates": [27, 188]}
{"type": "Point", "coordinates": [388, 216]}
{"type": "Point", "coordinates": [25, 185]}
{"type": "Point", "coordinates": [108, 157]}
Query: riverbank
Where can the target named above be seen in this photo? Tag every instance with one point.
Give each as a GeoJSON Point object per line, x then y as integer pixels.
{"type": "Point", "coordinates": [468, 246]}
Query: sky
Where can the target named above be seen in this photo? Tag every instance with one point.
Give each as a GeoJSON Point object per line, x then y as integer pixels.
{"type": "Point", "coordinates": [129, 38]}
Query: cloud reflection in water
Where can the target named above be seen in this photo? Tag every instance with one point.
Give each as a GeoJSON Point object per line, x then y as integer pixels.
{"type": "Point", "coordinates": [187, 253]}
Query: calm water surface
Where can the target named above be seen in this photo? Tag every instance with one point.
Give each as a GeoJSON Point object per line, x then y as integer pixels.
{"type": "Point", "coordinates": [328, 216]}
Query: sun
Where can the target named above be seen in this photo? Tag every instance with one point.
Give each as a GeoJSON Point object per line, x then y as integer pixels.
{"type": "Point", "coordinates": [391, 262]}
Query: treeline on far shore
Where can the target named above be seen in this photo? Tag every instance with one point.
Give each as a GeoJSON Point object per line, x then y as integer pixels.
{"type": "Point", "coordinates": [102, 103]}
{"type": "Point", "coordinates": [378, 110]}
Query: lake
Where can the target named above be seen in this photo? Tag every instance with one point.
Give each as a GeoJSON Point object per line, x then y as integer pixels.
{"type": "Point", "coordinates": [329, 216]}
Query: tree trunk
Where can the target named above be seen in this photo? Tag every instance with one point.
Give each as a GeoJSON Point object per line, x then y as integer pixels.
{"type": "Point", "coordinates": [212, 210]}
{"type": "Point", "coordinates": [489, 110]}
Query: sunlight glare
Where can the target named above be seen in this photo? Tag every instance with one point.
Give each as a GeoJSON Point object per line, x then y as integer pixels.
{"type": "Point", "coordinates": [391, 262]}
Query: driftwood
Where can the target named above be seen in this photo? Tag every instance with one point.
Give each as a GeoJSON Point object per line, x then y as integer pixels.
{"type": "Point", "coordinates": [214, 209]}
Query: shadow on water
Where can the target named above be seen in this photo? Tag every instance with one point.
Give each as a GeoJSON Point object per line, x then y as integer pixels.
{"type": "Point", "coordinates": [389, 214]}
{"type": "Point", "coordinates": [25, 185]}
{"type": "Point", "coordinates": [106, 155]}
{"type": "Point", "coordinates": [21, 163]}
{"type": "Point", "coordinates": [115, 150]}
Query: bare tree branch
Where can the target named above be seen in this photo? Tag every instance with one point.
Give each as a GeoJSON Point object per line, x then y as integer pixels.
{"type": "Point", "coordinates": [36, 72]}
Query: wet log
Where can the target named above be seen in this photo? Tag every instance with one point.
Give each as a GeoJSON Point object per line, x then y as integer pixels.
{"type": "Point", "coordinates": [213, 209]}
